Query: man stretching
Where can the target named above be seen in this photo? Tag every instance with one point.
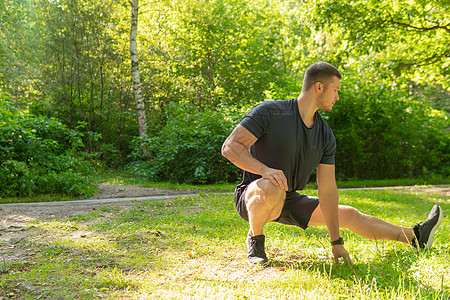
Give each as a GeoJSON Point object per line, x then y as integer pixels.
{"type": "Point", "coordinates": [278, 145]}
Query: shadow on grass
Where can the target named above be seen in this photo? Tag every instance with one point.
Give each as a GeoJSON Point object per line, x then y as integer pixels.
{"type": "Point", "coordinates": [389, 272]}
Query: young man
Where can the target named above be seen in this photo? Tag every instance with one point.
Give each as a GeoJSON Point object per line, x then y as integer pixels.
{"type": "Point", "coordinates": [278, 144]}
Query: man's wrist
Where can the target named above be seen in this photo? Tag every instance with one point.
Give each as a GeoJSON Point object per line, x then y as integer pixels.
{"type": "Point", "coordinates": [339, 241]}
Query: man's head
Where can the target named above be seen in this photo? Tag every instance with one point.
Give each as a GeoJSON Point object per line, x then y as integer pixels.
{"type": "Point", "coordinates": [320, 72]}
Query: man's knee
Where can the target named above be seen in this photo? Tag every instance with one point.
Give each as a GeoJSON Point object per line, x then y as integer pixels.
{"type": "Point", "coordinates": [264, 192]}
{"type": "Point", "coordinates": [348, 216]}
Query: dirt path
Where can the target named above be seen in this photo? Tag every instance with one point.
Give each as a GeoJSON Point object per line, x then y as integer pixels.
{"type": "Point", "coordinates": [121, 197]}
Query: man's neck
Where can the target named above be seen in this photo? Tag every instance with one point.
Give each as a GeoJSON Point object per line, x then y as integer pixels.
{"type": "Point", "coordinates": [307, 108]}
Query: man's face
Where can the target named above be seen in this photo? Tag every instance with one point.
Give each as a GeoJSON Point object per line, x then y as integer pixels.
{"type": "Point", "coordinates": [329, 95]}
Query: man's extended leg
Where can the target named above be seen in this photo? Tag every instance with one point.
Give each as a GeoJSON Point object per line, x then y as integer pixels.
{"type": "Point", "coordinates": [365, 225]}
{"type": "Point", "coordinates": [264, 203]}
{"type": "Point", "coordinates": [378, 229]}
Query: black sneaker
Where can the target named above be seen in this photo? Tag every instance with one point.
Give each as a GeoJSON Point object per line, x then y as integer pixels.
{"type": "Point", "coordinates": [424, 232]}
{"type": "Point", "coordinates": [256, 253]}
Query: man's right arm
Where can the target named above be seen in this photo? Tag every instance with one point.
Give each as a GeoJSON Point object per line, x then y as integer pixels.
{"type": "Point", "coordinates": [235, 149]}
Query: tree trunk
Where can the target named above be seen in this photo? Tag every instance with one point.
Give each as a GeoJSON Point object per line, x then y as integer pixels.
{"type": "Point", "coordinates": [135, 77]}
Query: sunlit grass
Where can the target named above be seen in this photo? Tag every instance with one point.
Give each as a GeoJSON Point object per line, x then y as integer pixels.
{"type": "Point", "coordinates": [193, 248]}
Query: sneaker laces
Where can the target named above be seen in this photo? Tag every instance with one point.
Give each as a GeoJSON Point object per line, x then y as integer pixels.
{"type": "Point", "coordinates": [256, 249]}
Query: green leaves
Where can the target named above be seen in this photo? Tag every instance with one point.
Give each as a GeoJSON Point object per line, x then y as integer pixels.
{"type": "Point", "coordinates": [407, 38]}
{"type": "Point", "coordinates": [70, 59]}
{"type": "Point", "coordinates": [39, 155]}
{"type": "Point", "coordinates": [383, 133]}
{"type": "Point", "coordinates": [187, 149]}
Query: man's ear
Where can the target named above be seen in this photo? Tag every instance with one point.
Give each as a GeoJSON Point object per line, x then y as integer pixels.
{"type": "Point", "coordinates": [318, 86]}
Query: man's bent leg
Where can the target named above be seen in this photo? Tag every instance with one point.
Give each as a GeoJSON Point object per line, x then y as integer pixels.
{"type": "Point", "coordinates": [265, 202]}
{"type": "Point", "coordinates": [365, 225]}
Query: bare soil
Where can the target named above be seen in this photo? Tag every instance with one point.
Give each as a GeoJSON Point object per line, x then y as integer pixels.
{"type": "Point", "coordinates": [16, 228]}
{"type": "Point", "coordinates": [119, 196]}
{"type": "Point", "coordinates": [107, 191]}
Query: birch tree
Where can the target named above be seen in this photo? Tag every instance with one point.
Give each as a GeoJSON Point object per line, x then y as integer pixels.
{"type": "Point", "coordinates": [135, 77]}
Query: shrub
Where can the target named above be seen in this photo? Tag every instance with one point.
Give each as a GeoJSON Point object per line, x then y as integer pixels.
{"type": "Point", "coordinates": [188, 148]}
{"type": "Point", "coordinates": [383, 133]}
{"type": "Point", "coordinates": [39, 155]}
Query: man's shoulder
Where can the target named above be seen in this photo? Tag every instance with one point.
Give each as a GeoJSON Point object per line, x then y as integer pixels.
{"type": "Point", "coordinates": [277, 105]}
{"type": "Point", "coordinates": [269, 114]}
{"type": "Point", "coordinates": [322, 121]}
{"type": "Point", "coordinates": [281, 104]}
{"type": "Point", "coordinates": [325, 128]}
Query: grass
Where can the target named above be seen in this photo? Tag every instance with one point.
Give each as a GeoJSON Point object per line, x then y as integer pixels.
{"type": "Point", "coordinates": [393, 182]}
{"type": "Point", "coordinates": [193, 248]}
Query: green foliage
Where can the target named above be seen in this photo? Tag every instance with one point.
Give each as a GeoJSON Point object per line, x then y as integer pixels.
{"type": "Point", "coordinates": [407, 39]}
{"type": "Point", "coordinates": [70, 59]}
{"type": "Point", "coordinates": [20, 46]}
{"type": "Point", "coordinates": [85, 71]}
{"type": "Point", "coordinates": [39, 155]}
{"type": "Point", "coordinates": [383, 133]}
{"type": "Point", "coordinates": [219, 52]}
{"type": "Point", "coordinates": [188, 148]}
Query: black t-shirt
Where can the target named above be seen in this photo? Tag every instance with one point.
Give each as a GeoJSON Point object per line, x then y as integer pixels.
{"type": "Point", "coordinates": [285, 143]}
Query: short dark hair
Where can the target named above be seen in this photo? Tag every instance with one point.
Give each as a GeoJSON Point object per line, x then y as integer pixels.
{"type": "Point", "coordinates": [319, 71]}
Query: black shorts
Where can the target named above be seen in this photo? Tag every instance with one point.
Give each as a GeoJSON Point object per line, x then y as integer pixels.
{"type": "Point", "coordinates": [297, 208]}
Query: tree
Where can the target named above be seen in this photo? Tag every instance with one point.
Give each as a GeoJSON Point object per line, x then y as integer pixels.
{"type": "Point", "coordinates": [219, 52]}
{"type": "Point", "coordinates": [140, 106]}
{"type": "Point", "coordinates": [20, 47]}
{"type": "Point", "coordinates": [407, 39]}
{"type": "Point", "coordinates": [85, 71]}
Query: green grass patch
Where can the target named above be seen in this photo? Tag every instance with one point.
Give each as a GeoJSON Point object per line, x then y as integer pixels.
{"type": "Point", "coordinates": [122, 177]}
{"type": "Point", "coordinates": [393, 182]}
{"type": "Point", "coordinates": [193, 248]}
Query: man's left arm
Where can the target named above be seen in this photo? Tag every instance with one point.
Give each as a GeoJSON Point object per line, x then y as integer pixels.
{"type": "Point", "coordinates": [329, 204]}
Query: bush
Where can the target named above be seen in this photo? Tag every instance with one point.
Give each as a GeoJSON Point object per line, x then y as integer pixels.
{"type": "Point", "coordinates": [39, 155]}
{"type": "Point", "coordinates": [188, 148]}
{"type": "Point", "coordinates": [382, 134]}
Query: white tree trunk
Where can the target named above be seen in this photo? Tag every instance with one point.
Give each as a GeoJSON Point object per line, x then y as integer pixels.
{"type": "Point", "coordinates": [135, 77]}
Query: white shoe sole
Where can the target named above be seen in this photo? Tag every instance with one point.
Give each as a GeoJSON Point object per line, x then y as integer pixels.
{"type": "Point", "coordinates": [433, 231]}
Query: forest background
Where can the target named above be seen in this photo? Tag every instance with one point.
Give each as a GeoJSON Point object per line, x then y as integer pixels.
{"type": "Point", "coordinates": [68, 110]}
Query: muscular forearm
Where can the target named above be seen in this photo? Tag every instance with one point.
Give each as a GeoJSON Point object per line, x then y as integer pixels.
{"type": "Point", "coordinates": [239, 155]}
{"type": "Point", "coordinates": [329, 202]}
{"type": "Point", "coordinates": [241, 158]}
{"type": "Point", "coordinates": [235, 148]}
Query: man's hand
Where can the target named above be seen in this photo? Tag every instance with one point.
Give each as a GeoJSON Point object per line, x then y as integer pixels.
{"type": "Point", "coordinates": [339, 251]}
{"type": "Point", "coordinates": [277, 177]}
